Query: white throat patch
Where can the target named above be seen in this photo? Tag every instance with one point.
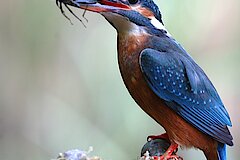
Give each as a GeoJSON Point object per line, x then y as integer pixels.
{"type": "Point", "coordinates": [123, 25]}
{"type": "Point", "coordinates": [159, 25]}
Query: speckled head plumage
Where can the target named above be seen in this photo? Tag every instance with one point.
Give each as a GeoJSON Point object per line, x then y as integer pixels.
{"type": "Point", "coordinates": [142, 13]}
{"type": "Point", "coordinates": [149, 4]}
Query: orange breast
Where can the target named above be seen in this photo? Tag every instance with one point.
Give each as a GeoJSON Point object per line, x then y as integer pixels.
{"type": "Point", "coordinates": [179, 131]}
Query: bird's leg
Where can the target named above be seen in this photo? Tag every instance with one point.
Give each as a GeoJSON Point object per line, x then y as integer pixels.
{"type": "Point", "coordinates": [169, 154]}
{"type": "Point", "coordinates": [161, 136]}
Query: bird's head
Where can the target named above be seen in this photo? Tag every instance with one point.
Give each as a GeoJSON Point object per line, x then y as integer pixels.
{"type": "Point", "coordinates": [125, 15]}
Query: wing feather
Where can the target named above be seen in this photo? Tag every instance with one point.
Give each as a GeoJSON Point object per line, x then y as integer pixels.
{"type": "Point", "coordinates": [187, 90]}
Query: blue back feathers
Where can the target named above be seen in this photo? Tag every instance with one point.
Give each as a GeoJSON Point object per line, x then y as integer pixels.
{"type": "Point", "coordinates": [178, 80]}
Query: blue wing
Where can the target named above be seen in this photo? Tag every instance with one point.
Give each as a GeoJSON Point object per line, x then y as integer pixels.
{"type": "Point", "coordinates": [187, 90]}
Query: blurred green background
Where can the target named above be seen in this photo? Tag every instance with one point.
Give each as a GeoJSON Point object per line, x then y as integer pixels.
{"type": "Point", "coordinates": [60, 87]}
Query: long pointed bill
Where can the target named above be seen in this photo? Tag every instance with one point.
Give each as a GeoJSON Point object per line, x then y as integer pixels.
{"type": "Point", "coordinates": [98, 5]}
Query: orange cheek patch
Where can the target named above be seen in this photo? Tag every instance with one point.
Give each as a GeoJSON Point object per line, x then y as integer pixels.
{"type": "Point", "coordinates": [145, 12]}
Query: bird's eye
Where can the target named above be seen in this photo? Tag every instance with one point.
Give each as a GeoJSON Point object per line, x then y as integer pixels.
{"type": "Point", "coordinates": [133, 1]}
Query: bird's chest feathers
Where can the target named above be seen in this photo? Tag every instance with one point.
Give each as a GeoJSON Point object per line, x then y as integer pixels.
{"type": "Point", "coordinates": [131, 39]}
{"type": "Point", "coordinates": [130, 47]}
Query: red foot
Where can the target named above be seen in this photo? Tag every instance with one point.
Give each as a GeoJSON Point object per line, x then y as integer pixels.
{"type": "Point", "coordinates": [162, 136]}
{"type": "Point", "coordinates": [171, 151]}
{"type": "Point", "coordinates": [169, 154]}
{"type": "Point", "coordinates": [173, 157]}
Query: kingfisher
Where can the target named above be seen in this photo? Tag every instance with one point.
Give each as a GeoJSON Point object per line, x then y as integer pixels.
{"type": "Point", "coordinates": [163, 78]}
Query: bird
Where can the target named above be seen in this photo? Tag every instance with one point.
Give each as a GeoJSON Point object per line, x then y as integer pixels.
{"type": "Point", "coordinates": [163, 79]}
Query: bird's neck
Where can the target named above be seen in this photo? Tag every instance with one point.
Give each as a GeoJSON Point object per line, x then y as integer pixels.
{"type": "Point", "coordinates": [131, 37]}
{"type": "Point", "coordinates": [123, 25]}
{"type": "Point", "coordinates": [129, 48]}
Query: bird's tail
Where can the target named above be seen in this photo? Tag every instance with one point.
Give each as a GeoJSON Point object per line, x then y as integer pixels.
{"type": "Point", "coordinates": [222, 152]}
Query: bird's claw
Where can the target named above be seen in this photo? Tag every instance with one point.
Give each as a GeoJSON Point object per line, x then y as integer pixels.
{"type": "Point", "coordinates": [169, 157]}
